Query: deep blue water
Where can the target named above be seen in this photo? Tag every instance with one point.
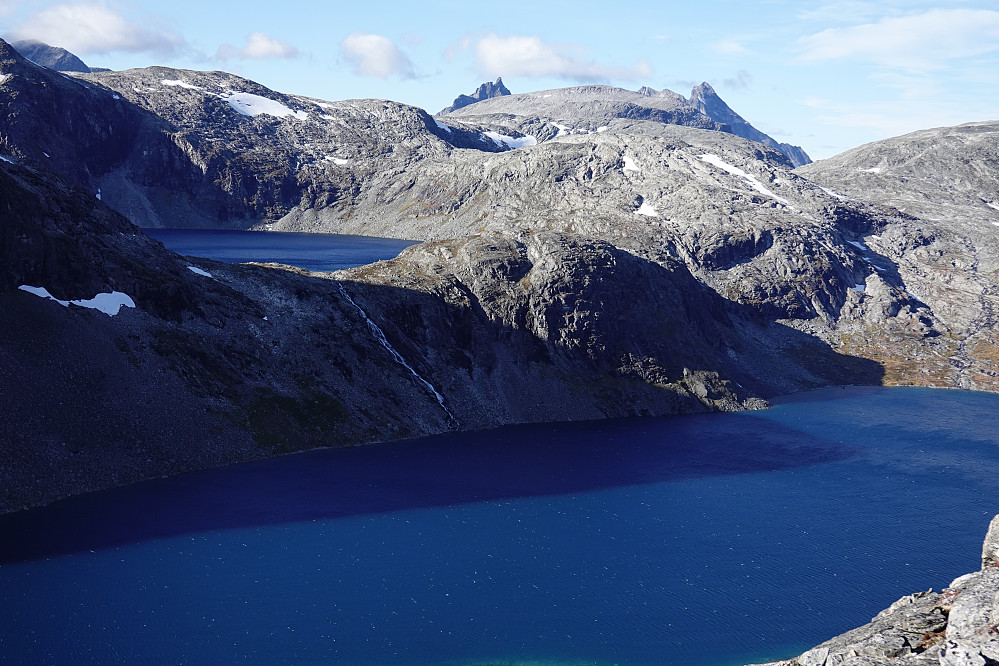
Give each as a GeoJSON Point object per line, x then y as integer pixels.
{"type": "Point", "coordinates": [314, 252]}
{"type": "Point", "coordinates": [716, 539]}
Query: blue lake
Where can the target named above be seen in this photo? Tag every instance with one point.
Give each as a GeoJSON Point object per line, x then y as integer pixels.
{"type": "Point", "coordinates": [714, 539]}
{"type": "Point", "coordinates": [314, 252]}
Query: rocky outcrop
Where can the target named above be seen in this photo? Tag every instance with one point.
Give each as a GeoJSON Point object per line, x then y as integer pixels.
{"type": "Point", "coordinates": [485, 91]}
{"type": "Point", "coordinates": [958, 626]}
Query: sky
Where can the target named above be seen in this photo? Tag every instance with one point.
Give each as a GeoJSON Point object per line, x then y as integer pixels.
{"type": "Point", "coordinates": [827, 76]}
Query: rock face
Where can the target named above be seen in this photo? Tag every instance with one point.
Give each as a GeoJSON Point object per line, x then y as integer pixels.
{"type": "Point", "coordinates": [485, 91]}
{"type": "Point", "coordinates": [954, 627]}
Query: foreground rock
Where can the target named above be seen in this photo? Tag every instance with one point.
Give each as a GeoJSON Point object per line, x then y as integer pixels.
{"type": "Point", "coordinates": [958, 626]}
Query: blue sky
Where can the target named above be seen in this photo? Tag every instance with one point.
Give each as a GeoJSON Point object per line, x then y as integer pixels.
{"type": "Point", "coordinates": [827, 76]}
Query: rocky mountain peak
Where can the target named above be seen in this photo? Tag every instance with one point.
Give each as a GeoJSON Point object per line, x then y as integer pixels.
{"type": "Point", "coordinates": [53, 57]}
{"type": "Point", "coordinates": [485, 91]}
{"type": "Point", "coordinates": [706, 100]}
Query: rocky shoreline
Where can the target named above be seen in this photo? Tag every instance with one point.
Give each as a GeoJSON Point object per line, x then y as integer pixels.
{"type": "Point", "coordinates": [957, 626]}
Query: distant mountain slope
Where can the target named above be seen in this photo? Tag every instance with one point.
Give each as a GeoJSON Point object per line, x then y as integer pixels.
{"type": "Point", "coordinates": [53, 57]}
{"type": "Point", "coordinates": [945, 182]}
{"type": "Point", "coordinates": [485, 91]}
{"type": "Point", "coordinates": [587, 108]}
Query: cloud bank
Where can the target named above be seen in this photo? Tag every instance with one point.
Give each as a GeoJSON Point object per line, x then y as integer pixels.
{"type": "Point", "coordinates": [375, 55]}
{"type": "Point", "coordinates": [95, 29]}
{"type": "Point", "coordinates": [532, 57]}
{"type": "Point", "coordinates": [917, 42]}
{"type": "Point", "coordinates": [258, 46]}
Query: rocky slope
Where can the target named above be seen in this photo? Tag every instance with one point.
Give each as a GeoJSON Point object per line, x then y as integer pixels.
{"type": "Point", "coordinates": [218, 363]}
{"type": "Point", "coordinates": [52, 57]}
{"type": "Point", "coordinates": [958, 626]}
{"type": "Point", "coordinates": [943, 245]}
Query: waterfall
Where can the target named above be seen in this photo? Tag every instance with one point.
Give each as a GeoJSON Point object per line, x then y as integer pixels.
{"type": "Point", "coordinates": [379, 335]}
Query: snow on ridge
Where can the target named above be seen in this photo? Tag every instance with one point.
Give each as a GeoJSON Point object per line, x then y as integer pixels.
{"type": "Point", "coordinates": [629, 164]}
{"type": "Point", "coordinates": [832, 193]}
{"type": "Point", "coordinates": [736, 171]}
{"type": "Point", "coordinates": [502, 140]}
{"type": "Point", "coordinates": [647, 210]}
{"type": "Point", "coordinates": [249, 104]}
{"type": "Point", "coordinates": [177, 83]}
{"type": "Point", "coordinates": [108, 303]}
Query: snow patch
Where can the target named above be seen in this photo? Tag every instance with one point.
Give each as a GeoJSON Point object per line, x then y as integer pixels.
{"type": "Point", "coordinates": [108, 303]}
{"type": "Point", "coordinates": [177, 83]}
{"type": "Point", "coordinates": [861, 287]}
{"type": "Point", "coordinates": [4, 78]}
{"type": "Point", "coordinates": [98, 195]}
{"type": "Point", "coordinates": [249, 104]}
{"type": "Point", "coordinates": [6, 159]}
{"type": "Point", "coordinates": [736, 171]}
{"type": "Point", "coordinates": [629, 164]}
{"type": "Point", "coordinates": [442, 126]}
{"type": "Point", "coordinates": [199, 271]}
{"type": "Point", "coordinates": [502, 140]}
{"type": "Point", "coordinates": [833, 194]}
{"type": "Point", "coordinates": [115, 96]}
{"type": "Point", "coordinates": [859, 246]}
{"type": "Point", "coordinates": [995, 223]}
{"type": "Point", "coordinates": [871, 170]}
{"type": "Point", "coordinates": [562, 129]}
{"type": "Point", "coordinates": [337, 160]}
{"type": "Point", "coordinates": [647, 210]}
{"type": "Point", "coordinates": [991, 204]}
{"type": "Point", "coordinates": [602, 128]}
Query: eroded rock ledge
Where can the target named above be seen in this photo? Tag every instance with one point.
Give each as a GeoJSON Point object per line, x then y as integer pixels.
{"type": "Point", "coordinates": [958, 626]}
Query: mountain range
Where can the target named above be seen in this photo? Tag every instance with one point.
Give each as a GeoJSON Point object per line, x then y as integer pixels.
{"type": "Point", "coordinates": [585, 253]}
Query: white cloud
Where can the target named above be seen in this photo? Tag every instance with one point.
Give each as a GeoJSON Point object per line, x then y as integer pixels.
{"type": "Point", "coordinates": [529, 56]}
{"type": "Point", "coordinates": [93, 28]}
{"type": "Point", "coordinates": [916, 42]}
{"type": "Point", "coordinates": [258, 46]}
{"type": "Point", "coordinates": [374, 55]}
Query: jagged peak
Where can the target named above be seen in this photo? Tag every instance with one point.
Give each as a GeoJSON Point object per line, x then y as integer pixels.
{"type": "Point", "coordinates": [485, 91]}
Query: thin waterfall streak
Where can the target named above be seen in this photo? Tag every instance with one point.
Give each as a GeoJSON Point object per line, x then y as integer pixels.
{"type": "Point", "coordinates": [379, 335]}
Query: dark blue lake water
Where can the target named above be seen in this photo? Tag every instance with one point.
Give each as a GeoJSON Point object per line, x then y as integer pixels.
{"type": "Point", "coordinates": [716, 539]}
{"type": "Point", "coordinates": [314, 252]}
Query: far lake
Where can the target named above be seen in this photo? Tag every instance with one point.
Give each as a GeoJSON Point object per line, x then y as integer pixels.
{"type": "Point", "coordinates": [313, 252]}
{"type": "Point", "coordinates": [715, 539]}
